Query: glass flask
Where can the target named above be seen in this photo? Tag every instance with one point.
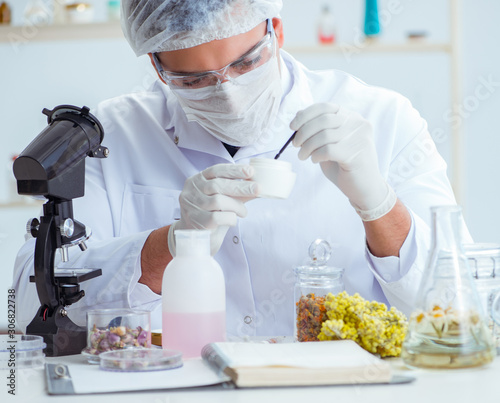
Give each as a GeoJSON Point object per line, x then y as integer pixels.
{"type": "Point", "coordinates": [313, 282]}
{"type": "Point", "coordinates": [484, 262]}
{"type": "Point", "coordinates": [447, 329]}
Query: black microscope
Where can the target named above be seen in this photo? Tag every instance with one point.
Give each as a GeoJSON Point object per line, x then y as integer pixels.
{"type": "Point", "coordinates": [53, 166]}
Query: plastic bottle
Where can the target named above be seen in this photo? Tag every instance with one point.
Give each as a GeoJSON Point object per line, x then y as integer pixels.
{"type": "Point", "coordinates": [5, 13]}
{"type": "Point", "coordinates": [326, 27]}
{"type": "Point", "coordinates": [372, 23]}
{"type": "Point", "coordinates": [114, 10]}
{"type": "Point", "coordinates": [193, 296]}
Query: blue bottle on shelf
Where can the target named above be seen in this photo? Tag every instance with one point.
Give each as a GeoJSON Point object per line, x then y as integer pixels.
{"type": "Point", "coordinates": [372, 24]}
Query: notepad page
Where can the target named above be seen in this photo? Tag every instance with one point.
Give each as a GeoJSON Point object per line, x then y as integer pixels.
{"type": "Point", "coordinates": [324, 354]}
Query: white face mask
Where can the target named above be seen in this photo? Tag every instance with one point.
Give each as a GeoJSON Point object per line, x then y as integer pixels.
{"type": "Point", "coordinates": [242, 110]}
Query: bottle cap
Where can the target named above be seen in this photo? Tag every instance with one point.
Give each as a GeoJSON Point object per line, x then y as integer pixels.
{"type": "Point", "coordinates": [194, 242]}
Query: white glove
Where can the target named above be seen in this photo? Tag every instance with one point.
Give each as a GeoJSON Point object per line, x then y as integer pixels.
{"type": "Point", "coordinates": [212, 199]}
{"type": "Point", "coordinates": [342, 142]}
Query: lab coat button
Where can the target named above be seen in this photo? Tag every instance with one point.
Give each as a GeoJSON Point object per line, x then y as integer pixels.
{"type": "Point", "coordinates": [236, 240]}
{"type": "Point", "coordinates": [247, 319]}
{"type": "Point", "coordinates": [176, 140]}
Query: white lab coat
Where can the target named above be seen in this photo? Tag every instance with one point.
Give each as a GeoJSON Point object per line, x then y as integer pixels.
{"type": "Point", "coordinates": [153, 149]}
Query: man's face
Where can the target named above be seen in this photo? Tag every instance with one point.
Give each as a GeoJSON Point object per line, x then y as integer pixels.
{"type": "Point", "coordinates": [231, 87]}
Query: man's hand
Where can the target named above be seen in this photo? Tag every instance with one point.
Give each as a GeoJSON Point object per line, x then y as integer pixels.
{"type": "Point", "coordinates": [213, 199]}
{"type": "Point", "coordinates": [342, 142]}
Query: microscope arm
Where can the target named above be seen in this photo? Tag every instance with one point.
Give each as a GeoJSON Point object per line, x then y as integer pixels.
{"type": "Point", "coordinates": [45, 248]}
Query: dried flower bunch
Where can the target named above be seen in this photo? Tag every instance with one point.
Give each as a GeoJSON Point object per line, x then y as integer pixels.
{"type": "Point", "coordinates": [377, 329]}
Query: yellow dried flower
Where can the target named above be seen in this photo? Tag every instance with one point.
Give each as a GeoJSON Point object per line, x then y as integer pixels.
{"type": "Point", "coordinates": [374, 327]}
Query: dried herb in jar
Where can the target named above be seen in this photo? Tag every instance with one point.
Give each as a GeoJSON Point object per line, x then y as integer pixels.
{"type": "Point", "coordinates": [311, 313]}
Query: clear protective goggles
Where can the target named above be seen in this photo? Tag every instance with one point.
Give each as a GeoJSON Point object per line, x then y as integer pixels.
{"type": "Point", "coordinates": [261, 53]}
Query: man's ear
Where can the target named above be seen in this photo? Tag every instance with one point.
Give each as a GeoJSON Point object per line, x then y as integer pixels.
{"type": "Point", "coordinates": [154, 67]}
{"type": "Point", "coordinates": [278, 28]}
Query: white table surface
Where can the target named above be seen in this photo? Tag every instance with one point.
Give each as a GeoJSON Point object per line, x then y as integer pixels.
{"type": "Point", "coordinates": [466, 385]}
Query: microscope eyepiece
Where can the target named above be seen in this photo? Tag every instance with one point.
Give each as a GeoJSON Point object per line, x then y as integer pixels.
{"type": "Point", "coordinates": [53, 164]}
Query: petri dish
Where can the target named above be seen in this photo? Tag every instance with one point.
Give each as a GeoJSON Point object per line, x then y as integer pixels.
{"type": "Point", "coordinates": [23, 351]}
{"type": "Point", "coordinates": [139, 360]}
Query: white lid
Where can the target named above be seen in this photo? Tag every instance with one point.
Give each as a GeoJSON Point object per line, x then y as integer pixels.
{"type": "Point", "coordinates": [320, 252]}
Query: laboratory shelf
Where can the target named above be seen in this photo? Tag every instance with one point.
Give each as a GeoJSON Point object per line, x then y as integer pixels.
{"type": "Point", "coordinates": [112, 30]}
{"type": "Point", "coordinates": [376, 47]}
{"type": "Point", "coordinates": [70, 32]}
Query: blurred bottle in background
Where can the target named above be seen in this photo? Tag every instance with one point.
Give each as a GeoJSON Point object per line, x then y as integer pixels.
{"type": "Point", "coordinates": [38, 13]}
{"type": "Point", "coordinates": [5, 13]}
{"type": "Point", "coordinates": [372, 23]}
{"type": "Point", "coordinates": [114, 10]}
{"type": "Point", "coordinates": [326, 27]}
{"type": "Point", "coordinates": [80, 13]}
{"type": "Point", "coordinates": [59, 7]}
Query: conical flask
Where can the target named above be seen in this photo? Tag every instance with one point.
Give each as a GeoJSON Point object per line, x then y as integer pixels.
{"type": "Point", "coordinates": [447, 329]}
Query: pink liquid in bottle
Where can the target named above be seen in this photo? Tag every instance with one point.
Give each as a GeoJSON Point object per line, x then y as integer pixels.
{"type": "Point", "coordinates": [190, 332]}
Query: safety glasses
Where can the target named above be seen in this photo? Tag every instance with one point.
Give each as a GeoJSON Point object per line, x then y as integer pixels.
{"type": "Point", "coordinates": [261, 53]}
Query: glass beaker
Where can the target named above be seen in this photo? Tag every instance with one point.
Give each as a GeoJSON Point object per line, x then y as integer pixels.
{"type": "Point", "coordinates": [312, 283]}
{"type": "Point", "coordinates": [484, 262]}
{"type": "Point", "coordinates": [447, 329]}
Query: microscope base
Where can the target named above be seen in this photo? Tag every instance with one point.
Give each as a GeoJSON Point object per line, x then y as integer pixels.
{"type": "Point", "coordinates": [62, 336]}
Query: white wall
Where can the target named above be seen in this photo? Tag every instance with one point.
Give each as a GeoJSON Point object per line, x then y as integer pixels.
{"type": "Point", "coordinates": [481, 108]}
{"type": "Point", "coordinates": [38, 75]}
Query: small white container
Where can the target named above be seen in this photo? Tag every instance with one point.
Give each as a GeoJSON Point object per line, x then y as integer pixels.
{"type": "Point", "coordinates": [275, 177]}
{"type": "Point", "coordinates": [80, 13]}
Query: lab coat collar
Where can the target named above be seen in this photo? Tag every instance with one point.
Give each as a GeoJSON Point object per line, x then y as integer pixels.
{"type": "Point", "coordinates": [296, 96]}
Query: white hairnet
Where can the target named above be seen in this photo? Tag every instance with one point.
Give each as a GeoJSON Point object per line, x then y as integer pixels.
{"type": "Point", "coordinates": [162, 25]}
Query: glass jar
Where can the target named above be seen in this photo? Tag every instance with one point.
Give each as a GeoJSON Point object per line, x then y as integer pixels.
{"type": "Point", "coordinates": [313, 282]}
{"type": "Point", "coordinates": [484, 262]}
{"type": "Point", "coordinates": [447, 329]}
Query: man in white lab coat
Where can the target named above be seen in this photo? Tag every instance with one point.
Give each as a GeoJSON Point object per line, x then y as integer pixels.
{"type": "Point", "coordinates": [367, 171]}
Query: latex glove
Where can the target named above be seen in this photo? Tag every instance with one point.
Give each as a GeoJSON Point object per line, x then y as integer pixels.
{"type": "Point", "coordinates": [213, 199]}
{"type": "Point", "coordinates": [341, 141]}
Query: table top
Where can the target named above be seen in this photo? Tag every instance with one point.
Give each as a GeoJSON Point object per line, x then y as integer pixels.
{"type": "Point", "coordinates": [463, 385]}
